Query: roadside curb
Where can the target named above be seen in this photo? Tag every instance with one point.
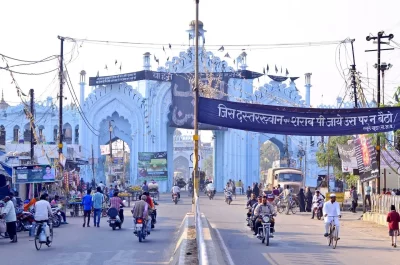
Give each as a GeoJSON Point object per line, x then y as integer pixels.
{"type": "Point", "coordinates": [179, 256]}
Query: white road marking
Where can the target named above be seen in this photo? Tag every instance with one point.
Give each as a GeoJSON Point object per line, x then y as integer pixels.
{"type": "Point", "coordinates": [227, 254]}
{"type": "Point", "coordinates": [78, 258]}
{"type": "Point", "coordinates": [123, 257]}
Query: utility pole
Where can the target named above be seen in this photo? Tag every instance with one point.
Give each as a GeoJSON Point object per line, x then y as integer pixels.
{"type": "Point", "coordinates": [353, 75]}
{"type": "Point", "coordinates": [61, 97]}
{"type": "Point", "coordinates": [379, 37]}
{"type": "Point", "coordinates": [287, 151]}
{"type": "Point", "coordinates": [94, 179]}
{"type": "Point", "coordinates": [110, 130]}
{"type": "Point", "coordinates": [33, 141]}
{"type": "Point", "coordinates": [196, 112]}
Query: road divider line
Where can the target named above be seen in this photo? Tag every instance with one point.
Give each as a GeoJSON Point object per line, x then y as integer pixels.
{"type": "Point", "coordinates": [224, 247]}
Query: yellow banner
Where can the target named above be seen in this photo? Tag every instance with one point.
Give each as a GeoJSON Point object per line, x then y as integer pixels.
{"type": "Point", "coordinates": [339, 196]}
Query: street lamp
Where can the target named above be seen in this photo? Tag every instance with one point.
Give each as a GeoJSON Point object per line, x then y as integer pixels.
{"type": "Point", "coordinates": [384, 67]}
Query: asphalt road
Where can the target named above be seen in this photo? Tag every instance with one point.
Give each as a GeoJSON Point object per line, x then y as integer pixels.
{"type": "Point", "coordinates": [298, 239]}
{"type": "Point", "coordinates": [76, 245]}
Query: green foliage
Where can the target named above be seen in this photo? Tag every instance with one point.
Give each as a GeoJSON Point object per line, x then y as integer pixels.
{"type": "Point", "coordinates": [351, 179]}
{"type": "Point", "coordinates": [208, 165]}
{"type": "Point", "coordinates": [327, 154]}
{"type": "Point", "coordinates": [268, 154]}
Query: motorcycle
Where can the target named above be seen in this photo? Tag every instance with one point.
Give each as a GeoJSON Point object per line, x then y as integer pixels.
{"type": "Point", "coordinates": [210, 194]}
{"type": "Point", "coordinates": [140, 228]}
{"type": "Point", "coordinates": [24, 220]}
{"type": "Point", "coordinates": [264, 232]}
{"type": "Point", "coordinates": [317, 209]}
{"type": "Point", "coordinates": [114, 220]}
{"type": "Point", "coordinates": [55, 210]}
{"type": "Point", "coordinates": [175, 198]}
{"type": "Point", "coordinates": [228, 197]}
{"type": "Point", "coordinates": [153, 215]}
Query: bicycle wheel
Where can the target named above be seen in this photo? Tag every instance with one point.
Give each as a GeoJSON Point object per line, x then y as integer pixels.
{"type": "Point", "coordinates": [51, 237]}
{"type": "Point", "coordinates": [280, 208]}
{"type": "Point", "coordinates": [330, 235]}
{"type": "Point", "coordinates": [334, 237]}
{"type": "Point", "coordinates": [38, 245]}
{"type": "Point", "coordinates": [293, 207]}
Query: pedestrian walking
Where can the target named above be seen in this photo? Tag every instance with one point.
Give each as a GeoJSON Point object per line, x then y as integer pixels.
{"type": "Point", "coordinates": [368, 191]}
{"type": "Point", "coordinates": [393, 218]}
{"type": "Point", "coordinates": [8, 213]}
{"type": "Point", "coordinates": [87, 204]}
{"type": "Point", "coordinates": [241, 186]}
{"type": "Point", "coordinates": [248, 192]}
{"type": "Point", "coordinates": [98, 200]}
{"type": "Point", "coordinates": [256, 190]}
{"type": "Point", "coordinates": [354, 199]}
{"type": "Point", "coordinates": [309, 197]}
{"type": "Point", "coordinates": [302, 200]}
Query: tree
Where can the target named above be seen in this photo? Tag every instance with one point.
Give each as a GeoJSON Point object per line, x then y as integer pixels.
{"type": "Point", "coordinates": [268, 154]}
{"type": "Point", "coordinates": [208, 165]}
{"type": "Point", "coordinates": [328, 153]}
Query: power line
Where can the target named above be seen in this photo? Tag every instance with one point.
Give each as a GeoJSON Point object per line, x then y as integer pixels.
{"type": "Point", "coordinates": [108, 42]}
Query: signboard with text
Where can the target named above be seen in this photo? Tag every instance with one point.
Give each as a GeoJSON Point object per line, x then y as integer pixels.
{"type": "Point", "coordinates": [152, 166]}
{"type": "Point", "coordinates": [34, 174]}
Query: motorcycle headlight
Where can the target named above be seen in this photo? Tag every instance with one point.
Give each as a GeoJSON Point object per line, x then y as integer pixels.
{"type": "Point", "coordinates": [266, 219]}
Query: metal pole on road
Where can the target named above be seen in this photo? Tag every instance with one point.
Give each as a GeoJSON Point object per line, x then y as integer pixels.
{"type": "Point", "coordinates": [196, 112]}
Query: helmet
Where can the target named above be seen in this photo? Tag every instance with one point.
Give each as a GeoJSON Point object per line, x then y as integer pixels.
{"type": "Point", "coordinates": [332, 195]}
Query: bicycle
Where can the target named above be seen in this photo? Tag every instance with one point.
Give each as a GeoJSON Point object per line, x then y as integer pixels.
{"type": "Point", "coordinates": [333, 235]}
{"type": "Point", "coordinates": [39, 230]}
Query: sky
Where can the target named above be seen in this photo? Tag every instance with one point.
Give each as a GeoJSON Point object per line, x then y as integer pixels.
{"type": "Point", "coordinates": [30, 29]}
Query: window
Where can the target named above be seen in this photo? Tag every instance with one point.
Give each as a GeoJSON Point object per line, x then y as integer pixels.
{"type": "Point", "coordinates": [77, 134]}
{"type": "Point", "coordinates": [16, 133]}
{"type": "Point", "coordinates": [55, 133]}
{"type": "Point", "coordinates": [2, 135]}
{"type": "Point", "coordinates": [27, 132]}
{"type": "Point", "coordinates": [67, 133]}
{"type": "Point", "coordinates": [290, 177]}
{"type": "Point", "coordinates": [41, 136]}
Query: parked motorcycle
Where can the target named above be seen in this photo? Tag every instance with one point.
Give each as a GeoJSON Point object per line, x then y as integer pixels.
{"type": "Point", "coordinates": [228, 197]}
{"type": "Point", "coordinates": [56, 211]}
{"type": "Point", "coordinates": [264, 232]}
{"type": "Point", "coordinates": [140, 228]}
{"type": "Point", "coordinates": [24, 220]}
{"type": "Point", "coordinates": [175, 198]}
{"type": "Point", "coordinates": [114, 219]}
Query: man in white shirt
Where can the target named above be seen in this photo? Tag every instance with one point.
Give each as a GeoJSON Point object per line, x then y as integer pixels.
{"type": "Point", "coordinates": [176, 190]}
{"type": "Point", "coordinates": [318, 201]}
{"type": "Point", "coordinates": [43, 209]}
{"type": "Point", "coordinates": [331, 212]}
{"type": "Point", "coordinates": [42, 213]}
{"type": "Point", "coordinates": [8, 213]}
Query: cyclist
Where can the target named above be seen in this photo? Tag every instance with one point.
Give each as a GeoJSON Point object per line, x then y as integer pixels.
{"type": "Point", "coordinates": [42, 213]}
{"type": "Point", "coordinates": [331, 211]}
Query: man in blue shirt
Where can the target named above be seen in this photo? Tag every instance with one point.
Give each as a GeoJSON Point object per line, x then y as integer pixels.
{"type": "Point", "coordinates": [98, 199]}
{"type": "Point", "coordinates": [111, 192]}
{"type": "Point", "coordinates": [87, 208]}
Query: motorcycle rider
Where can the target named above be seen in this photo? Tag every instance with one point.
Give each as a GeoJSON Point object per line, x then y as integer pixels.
{"type": "Point", "coordinates": [252, 201]}
{"type": "Point", "coordinates": [318, 201]}
{"type": "Point", "coordinates": [150, 202]}
{"type": "Point", "coordinates": [210, 187]}
{"type": "Point", "coordinates": [141, 209]}
{"type": "Point", "coordinates": [263, 209]}
{"type": "Point", "coordinates": [176, 190]}
{"type": "Point", "coordinates": [42, 213]}
{"type": "Point", "coordinates": [116, 202]}
{"type": "Point", "coordinates": [259, 201]}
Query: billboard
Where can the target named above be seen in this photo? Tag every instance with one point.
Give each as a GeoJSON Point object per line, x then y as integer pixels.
{"type": "Point", "coordinates": [152, 165]}
{"type": "Point", "coordinates": [366, 158]}
{"type": "Point", "coordinates": [34, 174]}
